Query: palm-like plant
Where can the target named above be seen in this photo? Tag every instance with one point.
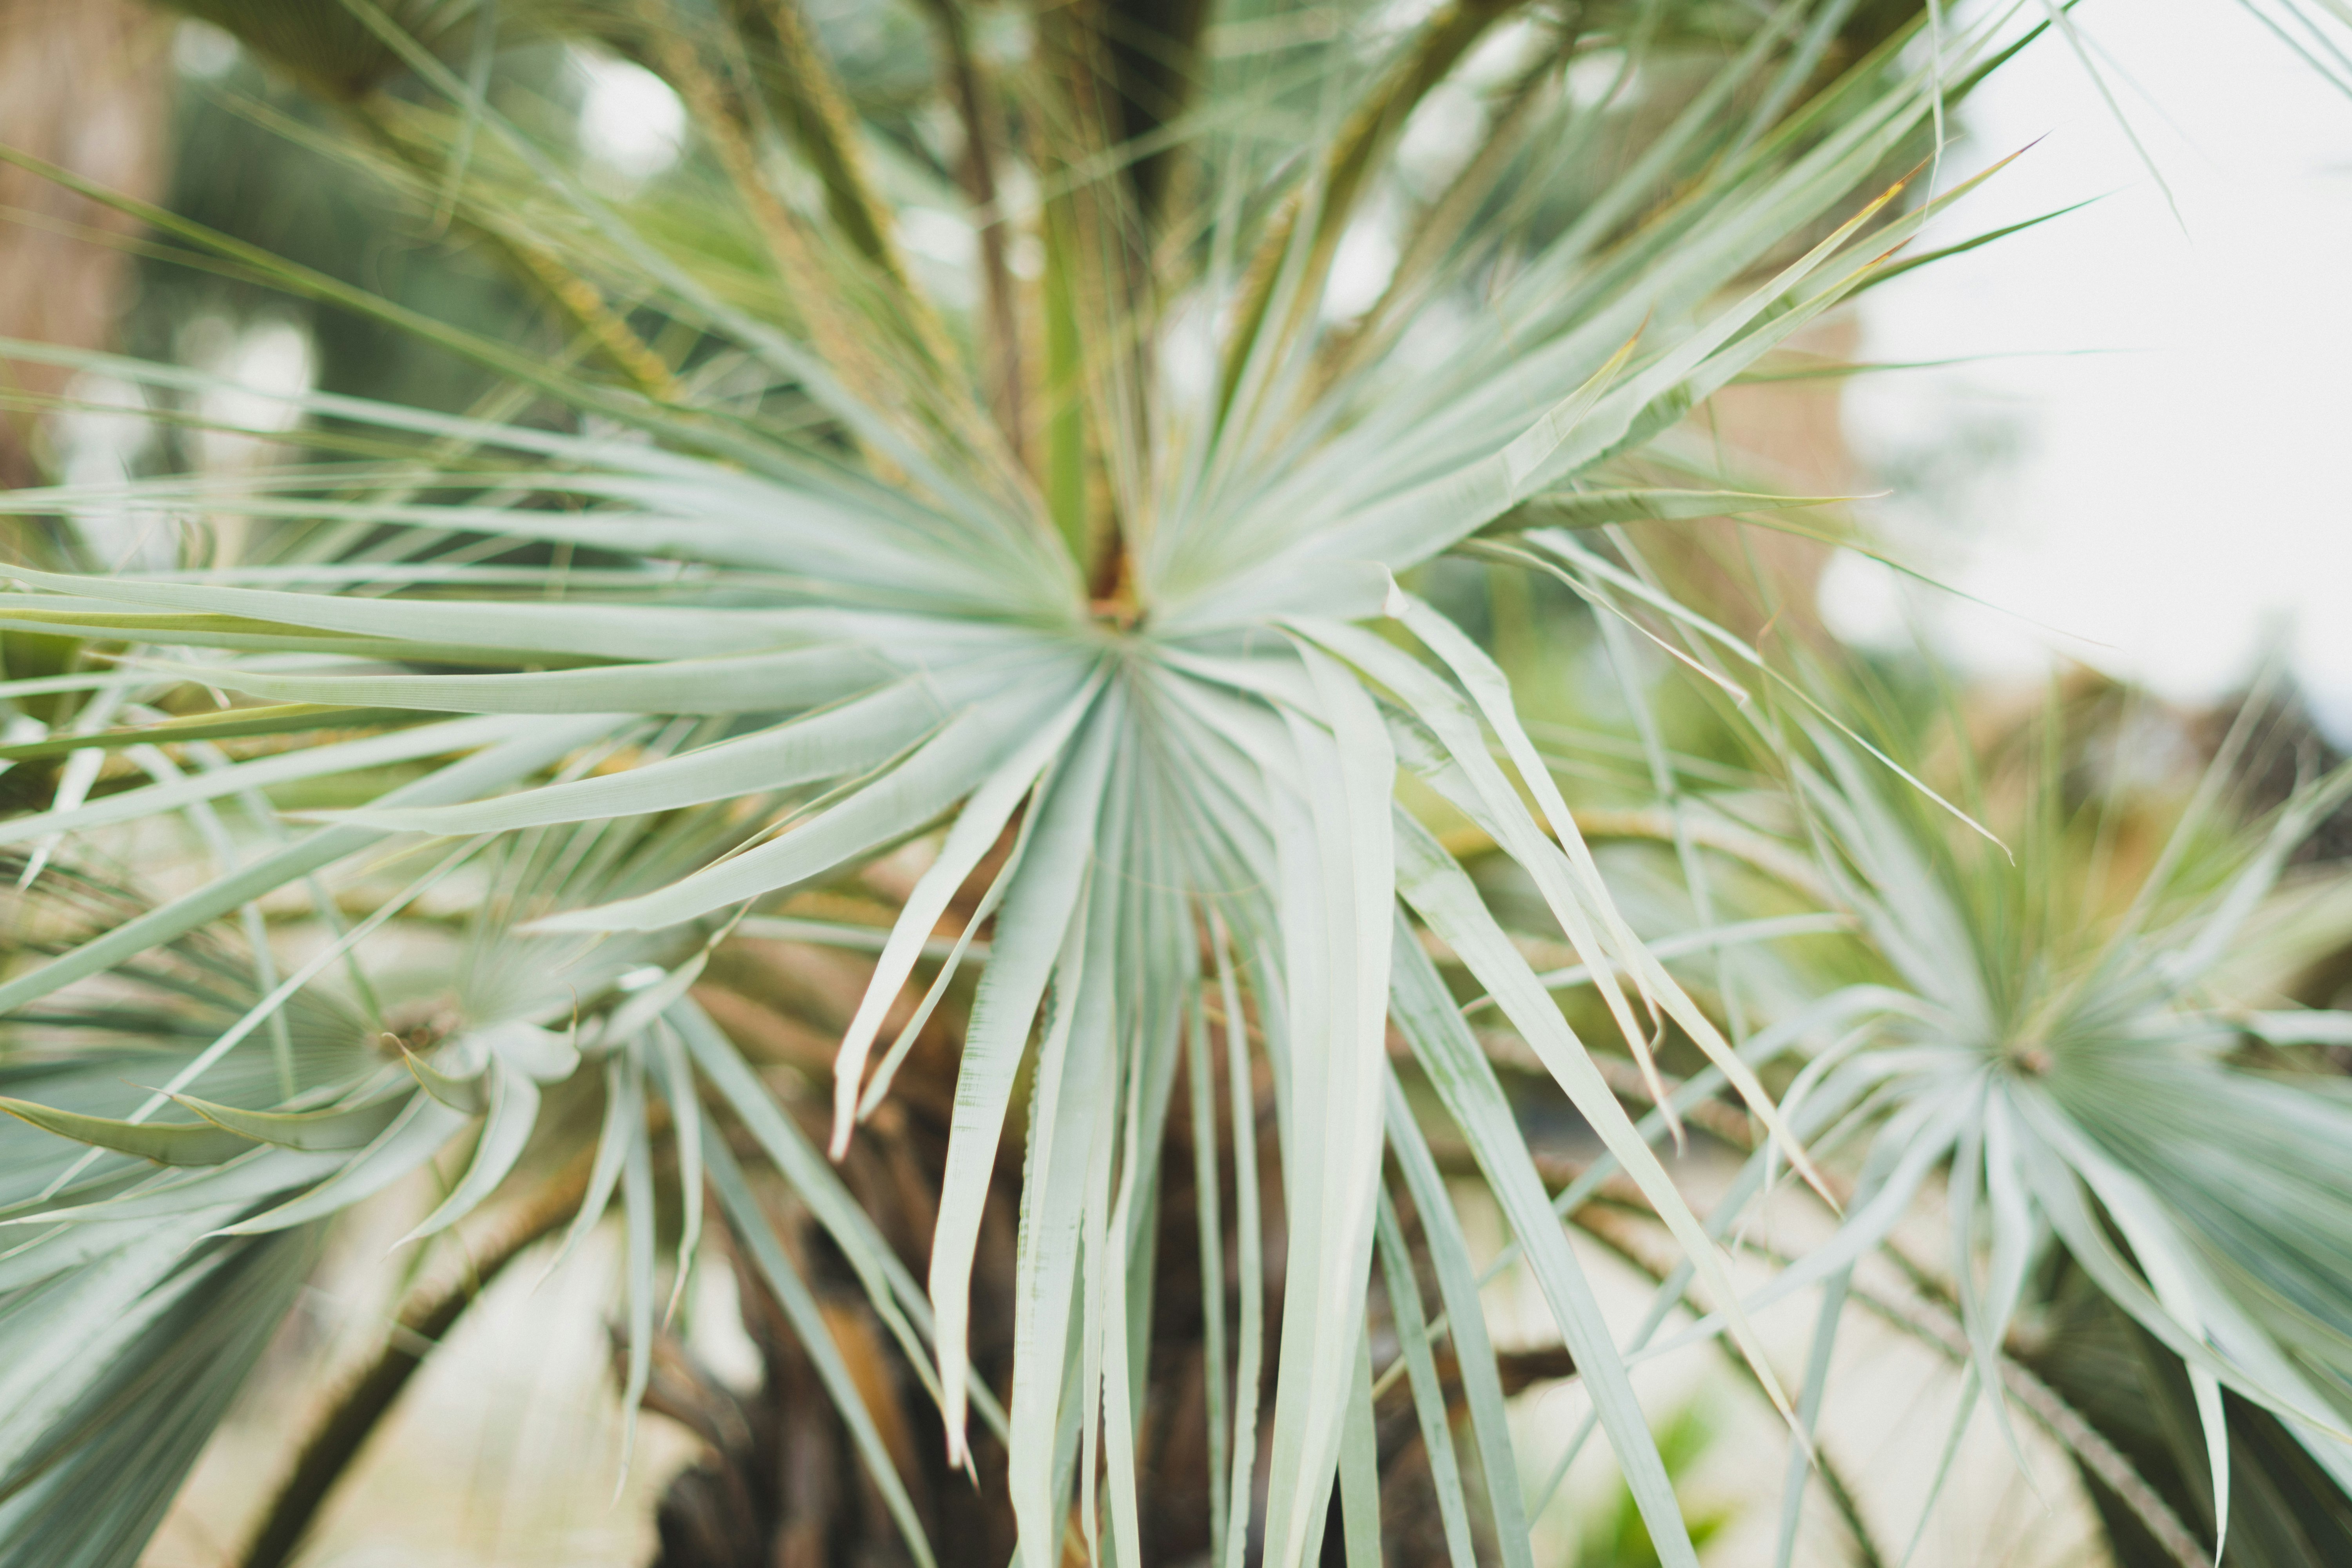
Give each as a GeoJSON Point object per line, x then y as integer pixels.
{"type": "Point", "coordinates": [783, 563]}
{"type": "Point", "coordinates": [2067, 1045]}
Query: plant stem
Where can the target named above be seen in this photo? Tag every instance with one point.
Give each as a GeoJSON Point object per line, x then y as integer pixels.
{"type": "Point", "coordinates": [2060, 1420]}
{"type": "Point", "coordinates": [1366, 136]}
{"type": "Point", "coordinates": [983, 130]}
{"type": "Point", "coordinates": [1929, 1321]}
{"type": "Point", "coordinates": [428, 1315]}
{"type": "Point", "coordinates": [808, 98]}
{"type": "Point", "coordinates": [1614, 1230]}
{"type": "Point", "coordinates": [1065, 424]}
{"type": "Point", "coordinates": [808, 101]}
{"type": "Point", "coordinates": [1657, 822]}
{"type": "Point", "coordinates": [573, 295]}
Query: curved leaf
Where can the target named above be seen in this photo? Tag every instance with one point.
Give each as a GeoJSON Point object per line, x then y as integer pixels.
{"type": "Point", "coordinates": [165, 1143]}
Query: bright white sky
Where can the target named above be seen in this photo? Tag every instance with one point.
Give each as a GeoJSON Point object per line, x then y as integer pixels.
{"type": "Point", "coordinates": [2184, 504]}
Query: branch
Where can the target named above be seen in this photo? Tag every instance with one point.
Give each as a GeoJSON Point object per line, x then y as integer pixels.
{"type": "Point", "coordinates": [572, 294]}
{"type": "Point", "coordinates": [423, 1320]}
{"type": "Point", "coordinates": [1931, 1322]}
{"type": "Point", "coordinates": [1368, 134]}
{"type": "Point", "coordinates": [983, 128]}
{"type": "Point", "coordinates": [1658, 822]}
{"type": "Point", "coordinates": [1614, 1229]}
{"type": "Point", "coordinates": [808, 98]}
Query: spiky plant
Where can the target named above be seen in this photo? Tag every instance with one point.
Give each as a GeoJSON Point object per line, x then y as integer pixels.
{"type": "Point", "coordinates": [2071, 1043]}
{"type": "Point", "coordinates": [1099, 585]}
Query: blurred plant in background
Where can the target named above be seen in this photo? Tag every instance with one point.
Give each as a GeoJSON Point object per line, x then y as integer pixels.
{"type": "Point", "coordinates": [1061, 692]}
{"type": "Point", "coordinates": [1616, 1537]}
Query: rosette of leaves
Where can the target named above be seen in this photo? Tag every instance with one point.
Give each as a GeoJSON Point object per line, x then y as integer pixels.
{"type": "Point", "coordinates": [1102, 578]}
{"type": "Point", "coordinates": [2090, 1050]}
{"type": "Point", "coordinates": [2087, 1056]}
{"type": "Point", "coordinates": [130, 1335]}
{"type": "Point", "coordinates": [182, 1227]}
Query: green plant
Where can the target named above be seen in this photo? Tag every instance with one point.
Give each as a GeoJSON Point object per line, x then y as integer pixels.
{"type": "Point", "coordinates": [2067, 1041]}
{"type": "Point", "coordinates": [1617, 1538]}
{"type": "Point", "coordinates": [818, 566]}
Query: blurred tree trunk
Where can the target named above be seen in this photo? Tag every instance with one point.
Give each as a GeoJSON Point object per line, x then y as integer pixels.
{"type": "Point", "coordinates": [83, 84]}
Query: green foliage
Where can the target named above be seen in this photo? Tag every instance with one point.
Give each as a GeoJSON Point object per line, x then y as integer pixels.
{"type": "Point", "coordinates": [1617, 1538]}
{"type": "Point", "coordinates": [768, 559]}
{"type": "Point", "coordinates": [2064, 1040]}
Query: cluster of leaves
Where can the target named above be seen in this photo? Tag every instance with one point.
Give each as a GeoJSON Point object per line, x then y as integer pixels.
{"type": "Point", "coordinates": [1101, 584]}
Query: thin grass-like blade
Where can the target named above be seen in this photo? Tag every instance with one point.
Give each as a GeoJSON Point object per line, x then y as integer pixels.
{"type": "Point", "coordinates": [1442, 1044]}
{"type": "Point", "coordinates": [415, 1137]}
{"type": "Point", "coordinates": [975, 832]}
{"type": "Point", "coordinates": [909, 796]}
{"type": "Point", "coordinates": [815, 1339]}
